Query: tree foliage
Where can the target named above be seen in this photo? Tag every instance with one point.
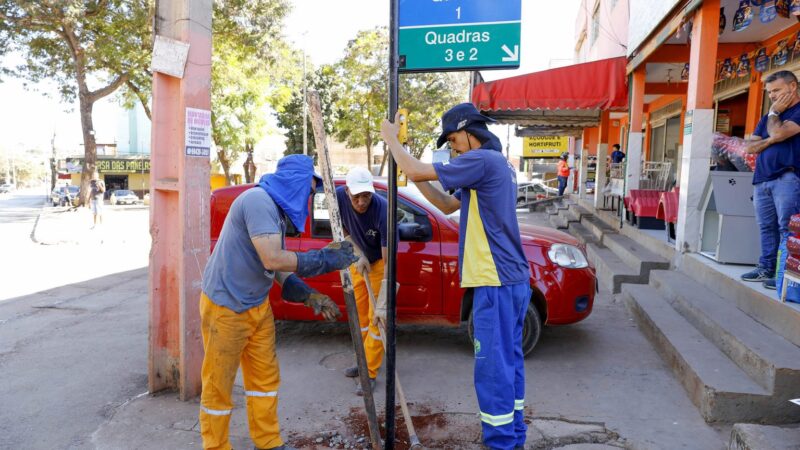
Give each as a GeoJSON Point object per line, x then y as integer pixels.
{"type": "Point", "coordinates": [251, 68]}
{"type": "Point", "coordinates": [290, 117]}
{"type": "Point", "coordinates": [90, 49]}
{"type": "Point", "coordinates": [363, 95]}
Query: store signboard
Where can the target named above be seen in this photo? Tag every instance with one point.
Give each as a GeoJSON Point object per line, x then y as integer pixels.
{"type": "Point", "coordinates": [544, 146]}
{"type": "Point", "coordinates": [75, 165]}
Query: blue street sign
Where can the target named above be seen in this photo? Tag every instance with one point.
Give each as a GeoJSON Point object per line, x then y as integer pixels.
{"type": "Point", "coordinates": [439, 35]}
{"type": "Point", "coordinates": [415, 13]}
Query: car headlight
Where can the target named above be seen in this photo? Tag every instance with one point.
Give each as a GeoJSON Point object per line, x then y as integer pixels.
{"type": "Point", "coordinates": [567, 256]}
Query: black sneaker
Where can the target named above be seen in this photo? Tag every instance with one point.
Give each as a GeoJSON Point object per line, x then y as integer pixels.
{"type": "Point", "coordinates": [770, 284]}
{"type": "Point", "coordinates": [372, 383]}
{"type": "Point", "coordinates": [757, 274]}
{"type": "Point", "coordinates": [351, 372]}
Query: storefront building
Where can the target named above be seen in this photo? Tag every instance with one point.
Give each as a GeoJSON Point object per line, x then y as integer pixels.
{"type": "Point", "coordinates": [130, 172]}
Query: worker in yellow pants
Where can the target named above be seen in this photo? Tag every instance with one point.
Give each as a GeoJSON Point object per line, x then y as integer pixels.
{"type": "Point", "coordinates": [373, 349]}
{"type": "Point", "coordinates": [364, 220]}
{"type": "Point", "coordinates": [235, 312]}
{"type": "Point", "coordinates": [227, 335]}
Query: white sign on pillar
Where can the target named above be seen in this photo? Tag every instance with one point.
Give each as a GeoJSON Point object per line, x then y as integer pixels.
{"type": "Point", "coordinates": [698, 135]}
{"type": "Point", "coordinates": [198, 132]}
{"type": "Point", "coordinates": [633, 158]}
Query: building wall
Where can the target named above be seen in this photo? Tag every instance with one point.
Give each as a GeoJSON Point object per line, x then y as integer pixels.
{"type": "Point", "coordinates": [605, 39]}
{"type": "Point", "coordinates": [133, 132]}
{"type": "Point", "coordinates": [648, 14]}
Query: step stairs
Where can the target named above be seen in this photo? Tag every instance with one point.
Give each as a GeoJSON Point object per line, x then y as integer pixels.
{"type": "Point", "coordinates": [747, 436]}
{"type": "Point", "coordinates": [617, 259]}
{"type": "Point", "coordinates": [733, 368]}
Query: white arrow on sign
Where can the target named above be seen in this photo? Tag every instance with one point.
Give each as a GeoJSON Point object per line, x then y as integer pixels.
{"type": "Point", "coordinates": [512, 56]}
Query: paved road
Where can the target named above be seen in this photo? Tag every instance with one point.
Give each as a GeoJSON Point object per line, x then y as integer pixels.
{"type": "Point", "coordinates": [73, 362]}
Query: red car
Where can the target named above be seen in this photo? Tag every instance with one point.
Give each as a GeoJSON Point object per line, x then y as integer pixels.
{"type": "Point", "coordinates": [562, 280]}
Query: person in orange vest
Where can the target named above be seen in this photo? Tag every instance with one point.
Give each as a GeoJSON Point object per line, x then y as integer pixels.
{"type": "Point", "coordinates": [563, 173]}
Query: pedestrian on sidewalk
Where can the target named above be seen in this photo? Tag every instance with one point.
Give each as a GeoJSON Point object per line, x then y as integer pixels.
{"type": "Point", "coordinates": [364, 221]}
{"type": "Point", "coordinates": [98, 189]}
{"type": "Point", "coordinates": [562, 173]}
{"type": "Point", "coordinates": [617, 156]}
{"type": "Point", "coordinates": [491, 260]}
{"type": "Point", "coordinates": [236, 318]}
{"type": "Point", "coordinates": [776, 195]}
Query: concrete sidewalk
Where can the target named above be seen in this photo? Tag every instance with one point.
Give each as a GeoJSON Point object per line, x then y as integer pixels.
{"type": "Point", "coordinates": [62, 225]}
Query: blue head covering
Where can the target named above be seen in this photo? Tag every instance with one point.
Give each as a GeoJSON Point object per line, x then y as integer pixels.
{"type": "Point", "coordinates": [290, 187]}
{"type": "Point", "coordinates": [465, 116]}
{"type": "Point", "coordinates": [488, 140]}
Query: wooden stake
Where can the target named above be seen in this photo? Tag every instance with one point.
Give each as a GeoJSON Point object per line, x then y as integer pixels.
{"type": "Point", "coordinates": [315, 112]}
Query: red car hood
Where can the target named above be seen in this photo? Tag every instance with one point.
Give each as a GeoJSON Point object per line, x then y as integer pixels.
{"type": "Point", "coordinates": [537, 235]}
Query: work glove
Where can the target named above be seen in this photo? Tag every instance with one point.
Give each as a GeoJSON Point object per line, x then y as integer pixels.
{"type": "Point", "coordinates": [334, 256]}
{"type": "Point", "coordinates": [322, 304]}
{"type": "Point", "coordinates": [379, 314]}
{"type": "Point", "coordinates": [363, 266]}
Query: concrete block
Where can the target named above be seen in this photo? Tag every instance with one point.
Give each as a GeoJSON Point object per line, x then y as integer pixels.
{"type": "Point", "coordinates": [716, 385]}
{"type": "Point", "coordinates": [576, 213]}
{"type": "Point", "coordinates": [635, 255]}
{"type": "Point", "coordinates": [746, 436]}
{"type": "Point", "coordinates": [766, 357]}
{"type": "Point", "coordinates": [610, 270]}
{"type": "Point", "coordinates": [597, 227]}
{"type": "Point", "coordinates": [766, 309]}
{"type": "Point", "coordinates": [580, 232]}
{"type": "Point", "coordinates": [559, 221]}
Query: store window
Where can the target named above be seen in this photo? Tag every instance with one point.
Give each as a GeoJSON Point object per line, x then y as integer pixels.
{"type": "Point", "coordinates": [595, 24]}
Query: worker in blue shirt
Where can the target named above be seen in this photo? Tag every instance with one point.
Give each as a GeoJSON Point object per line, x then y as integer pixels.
{"type": "Point", "coordinates": [491, 260]}
{"type": "Point", "coordinates": [364, 220]}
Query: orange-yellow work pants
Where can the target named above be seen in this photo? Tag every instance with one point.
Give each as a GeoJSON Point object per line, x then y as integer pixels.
{"type": "Point", "coordinates": [230, 339]}
{"type": "Point", "coordinates": [373, 348]}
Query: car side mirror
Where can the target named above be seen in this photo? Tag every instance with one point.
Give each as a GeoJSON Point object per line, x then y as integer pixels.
{"type": "Point", "coordinates": [410, 231]}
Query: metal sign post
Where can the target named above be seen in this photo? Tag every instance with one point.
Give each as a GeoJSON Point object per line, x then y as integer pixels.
{"type": "Point", "coordinates": [391, 267]}
{"type": "Point", "coordinates": [459, 35]}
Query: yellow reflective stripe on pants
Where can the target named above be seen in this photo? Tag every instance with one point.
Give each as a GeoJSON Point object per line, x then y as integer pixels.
{"type": "Point", "coordinates": [496, 421]}
{"type": "Point", "coordinates": [216, 412]}
{"type": "Point", "coordinates": [373, 348]}
{"type": "Point", "coordinates": [261, 394]}
{"type": "Point", "coordinates": [519, 404]}
{"type": "Point", "coordinates": [231, 340]}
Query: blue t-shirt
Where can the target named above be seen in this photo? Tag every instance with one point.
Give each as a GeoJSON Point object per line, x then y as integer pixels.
{"type": "Point", "coordinates": [367, 230]}
{"type": "Point", "coordinates": [617, 156]}
{"type": "Point", "coordinates": [235, 276]}
{"type": "Point", "coordinates": [780, 157]}
{"type": "Point", "coordinates": [489, 248]}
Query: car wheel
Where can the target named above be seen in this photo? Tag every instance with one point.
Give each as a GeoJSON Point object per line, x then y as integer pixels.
{"type": "Point", "coordinates": [530, 333]}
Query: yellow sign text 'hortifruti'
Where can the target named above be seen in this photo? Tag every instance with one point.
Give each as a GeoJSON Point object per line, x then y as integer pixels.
{"type": "Point", "coordinates": [544, 146]}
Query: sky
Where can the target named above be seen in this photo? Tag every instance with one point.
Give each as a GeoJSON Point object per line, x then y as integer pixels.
{"type": "Point", "coordinates": [323, 27]}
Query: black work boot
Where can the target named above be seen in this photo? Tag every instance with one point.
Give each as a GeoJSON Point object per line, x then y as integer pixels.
{"type": "Point", "coordinates": [351, 372]}
{"type": "Point", "coordinates": [372, 383]}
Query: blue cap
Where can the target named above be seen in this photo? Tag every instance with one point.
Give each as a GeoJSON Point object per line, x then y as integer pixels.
{"type": "Point", "coordinates": [458, 118]}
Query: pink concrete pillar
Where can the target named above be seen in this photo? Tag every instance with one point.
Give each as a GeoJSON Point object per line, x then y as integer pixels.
{"type": "Point", "coordinates": [179, 208]}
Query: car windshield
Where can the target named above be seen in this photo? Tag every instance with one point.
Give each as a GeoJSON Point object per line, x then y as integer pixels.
{"type": "Point", "coordinates": [73, 189]}
{"type": "Point", "coordinates": [123, 192]}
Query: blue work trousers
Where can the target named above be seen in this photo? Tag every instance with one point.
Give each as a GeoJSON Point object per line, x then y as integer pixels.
{"type": "Point", "coordinates": [562, 185]}
{"type": "Point", "coordinates": [498, 320]}
{"type": "Point", "coordinates": [775, 202]}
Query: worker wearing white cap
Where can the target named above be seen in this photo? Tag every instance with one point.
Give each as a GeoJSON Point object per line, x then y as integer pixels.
{"type": "Point", "coordinates": [364, 220]}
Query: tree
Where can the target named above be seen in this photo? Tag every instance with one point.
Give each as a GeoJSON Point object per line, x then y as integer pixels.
{"type": "Point", "coordinates": [290, 117]}
{"type": "Point", "coordinates": [363, 93]}
{"type": "Point", "coordinates": [362, 104]}
{"type": "Point", "coordinates": [250, 68]}
{"type": "Point", "coordinates": [90, 49]}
